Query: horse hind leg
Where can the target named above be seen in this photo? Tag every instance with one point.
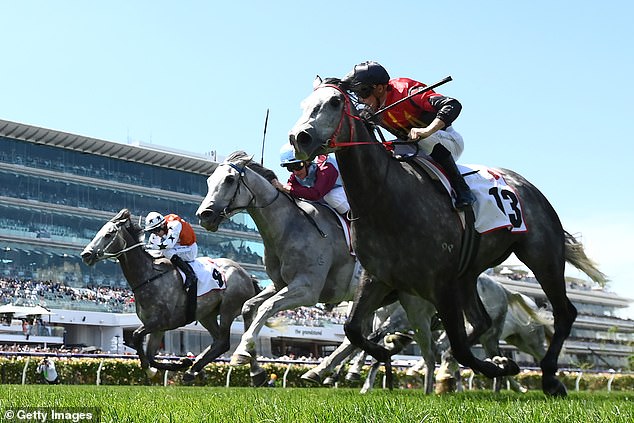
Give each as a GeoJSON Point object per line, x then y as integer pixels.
{"type": "Point", "coordinates": [551, 278]}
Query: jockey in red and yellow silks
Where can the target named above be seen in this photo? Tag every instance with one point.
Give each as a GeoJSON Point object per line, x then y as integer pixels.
{"type": "Point", "coordinates": [426, 118]}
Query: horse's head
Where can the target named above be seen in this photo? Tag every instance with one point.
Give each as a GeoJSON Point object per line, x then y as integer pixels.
{"type": "Point", "coordinates": [109, 241]}
{"type": "Point", "coordinates": [319, 127]}
{"type": "Point", "coordinates": [226, 191]}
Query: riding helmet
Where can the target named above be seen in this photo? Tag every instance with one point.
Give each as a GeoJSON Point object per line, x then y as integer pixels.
{"type": "Point", "coordinates": [153, 220]}
{"type": "Point", "coordinates": [287, 155]}
{"type": "Point", "coordinates": [364, 76]}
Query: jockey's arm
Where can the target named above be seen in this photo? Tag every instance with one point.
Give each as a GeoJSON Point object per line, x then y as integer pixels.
{"type": "Point", "coordinates": [173, 234]}
{"type": "Point", "coordinates": [422, 133]}
{"type": "Point", "coordinates": [324, 182]}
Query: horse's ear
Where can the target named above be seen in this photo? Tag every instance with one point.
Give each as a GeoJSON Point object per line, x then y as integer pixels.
{"type": "Point", "coordinates": [317, 82]}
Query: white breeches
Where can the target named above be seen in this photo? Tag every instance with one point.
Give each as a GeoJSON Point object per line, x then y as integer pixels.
{"type": "Point", "coordinates": [448, 137]}
{"type": "Point", "coordinates": [337, 199]}
{"type": "Point", "coordinates": [186, 252]}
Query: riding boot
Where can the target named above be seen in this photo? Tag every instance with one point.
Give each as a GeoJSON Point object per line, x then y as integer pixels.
{"type": "Point", "coordinates": [191, 286]}
{"type": "Point", "coordinates": [464, 196]}
{"type": "Point", "coordinates": [190, 276]}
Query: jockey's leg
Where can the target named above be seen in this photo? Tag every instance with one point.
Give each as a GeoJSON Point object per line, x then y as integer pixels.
{"type": "Point", "coordinates": [464, 196]}
{"type": "Point", "coordinates": [190, 276]}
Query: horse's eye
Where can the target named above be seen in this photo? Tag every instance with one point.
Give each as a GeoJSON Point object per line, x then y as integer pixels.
{"type": "Point", "coordinates": [230, 179]}
{"type": "Point", "coordinates": [108, 235]}
{"type": "Point", "coordinates": [334, 101]}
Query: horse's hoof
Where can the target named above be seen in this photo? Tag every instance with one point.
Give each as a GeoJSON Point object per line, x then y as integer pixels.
{"type": "Point", "coordinates": [508, 366]}
{"type": "Point", "coordinates": [364, 390]}
{"type": "Point", "coordinates": [353, 377]}
{"type": "Point", "coordinates": [186, 362]}
{"type": "Point", "coordinates": [188, 378]}
{"type": "Point", "coordinates": [151, 372]}
{"type": "Point", "coordinates": [240, 359]}
{"type": "Point", "coordinates": [554, 388]}
{"type": "Point", "coordinates": [312, 377]}
{"type": "Point", "coordinates": [445, 386]}
{"type": "Point", "coordinates": [329, 381]}
{"type": "Point", "coordinates": [258, 379]}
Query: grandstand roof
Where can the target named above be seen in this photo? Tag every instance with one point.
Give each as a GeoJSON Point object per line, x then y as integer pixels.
{"type": "Point", "coordinates": [144, 153]}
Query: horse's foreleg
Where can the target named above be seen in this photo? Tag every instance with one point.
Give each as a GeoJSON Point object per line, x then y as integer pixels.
{"type": "Point", "coordinates": [138, 336]}
{"type": "Point", "coordinates": [450, 309]}
{"type": "Point", "coordinates": [369, 380]}
{"type": "Point", "coordinates": [316, 374]}
{"type": "Point", "coordinates": [369, 297]}
{"type": "Point", "coordinates": [221, 335]}
{"type": "Point", "coordinates": [287, 298]}
{"type": "Point", "coordinates": [419, 313]}
{"type": "Point", "coordinates": [246, 349]}
{"type": "Point", "coordinates": [356, 366]}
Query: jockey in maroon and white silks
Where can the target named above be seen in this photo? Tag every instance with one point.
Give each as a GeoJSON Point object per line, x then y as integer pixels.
{"type": "Point", "coordinates": [315, 181]}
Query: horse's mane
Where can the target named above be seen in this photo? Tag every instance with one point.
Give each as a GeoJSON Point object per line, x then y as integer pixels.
{"type": "Point", "coordinates": [135, 229]}
{"type": "Point", "coordinates": [266, 173]}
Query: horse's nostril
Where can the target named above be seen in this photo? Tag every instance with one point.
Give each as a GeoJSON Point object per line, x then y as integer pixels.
{"type": "Point", "coordinates": [304, 138]}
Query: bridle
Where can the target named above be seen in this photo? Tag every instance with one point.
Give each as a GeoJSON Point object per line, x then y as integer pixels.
{"type": "Point", "coordinates": [227, 211]}
{"type": "Point", "coordinates": [103, 254]}
{"type": "Point", "coordinates": [345, 111]}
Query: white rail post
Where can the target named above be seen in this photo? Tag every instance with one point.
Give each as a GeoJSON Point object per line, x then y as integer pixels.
{"type": "Point", "coordinates": [288, 369]}
{"type": "Point", "coordinates": [99, 372]}
{"type": "Point", "coordinates": [577, 381]}
{"type": "Point", "coordinates": [471, 380]}
{"type": "Point", "coordinates": [228, 376]}
{"type": "Point", "coordinates": [611, 379]}
{"type": "Point", "coordinates": [26, 366]}
{"type": "Point", "coordinates": [165, 378]}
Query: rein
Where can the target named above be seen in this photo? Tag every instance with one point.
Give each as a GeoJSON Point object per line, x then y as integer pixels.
{"type": "Point", "coordinates": [242, 172]}
{"type": "Point", "coordinates": [106, 255]}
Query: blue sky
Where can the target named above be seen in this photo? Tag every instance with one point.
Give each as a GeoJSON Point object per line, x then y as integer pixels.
{"type": "Point", "coordinates": [545, 86]}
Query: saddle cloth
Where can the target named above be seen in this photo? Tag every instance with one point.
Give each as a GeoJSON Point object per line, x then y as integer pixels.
{"type": "Point", "coordinates": [209, 275]}
{"type": "Point", "coordinates": [497, 204]}
{"type": "Point", "coordinates": [345, 225]}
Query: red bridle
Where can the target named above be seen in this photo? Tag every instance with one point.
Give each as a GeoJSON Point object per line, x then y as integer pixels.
{"type": "Point", "coordinates": [345, 111]}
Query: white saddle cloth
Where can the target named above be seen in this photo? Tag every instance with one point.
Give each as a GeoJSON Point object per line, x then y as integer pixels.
{"type": "Point", "coordinates": [497, 204]}
{"type": "Point", "coordinates": [209, 275]}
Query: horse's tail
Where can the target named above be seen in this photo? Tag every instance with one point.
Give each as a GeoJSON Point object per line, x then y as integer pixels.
{"type": "Point", "coordinates": [523, 311]}
{"type": "Point", "coordinates": [575, 255]}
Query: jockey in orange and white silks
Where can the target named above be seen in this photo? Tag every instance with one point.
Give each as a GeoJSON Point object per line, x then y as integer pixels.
{"type": "Point", "coordinates": [175, 239]}
{"type": "Point", "coordinates": [314, 181]}
{"type": "Point", "coordinates": [171, 235]}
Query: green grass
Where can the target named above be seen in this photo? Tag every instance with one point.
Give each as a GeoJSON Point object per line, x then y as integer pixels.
{"type": "Point", "coordinates": [141, 404]}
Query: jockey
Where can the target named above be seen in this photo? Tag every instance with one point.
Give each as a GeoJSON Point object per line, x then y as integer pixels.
{"type": "Point", "coordinates": [176, 240]}
{"type": "Point", "coordinates": [314, 181]}
{"type": "Point", "coordinates": [426, 118]}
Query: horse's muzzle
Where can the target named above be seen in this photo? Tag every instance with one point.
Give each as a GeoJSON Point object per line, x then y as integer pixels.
{"type": "Point", "coordinates": [89, 256]}
{"type": "Point", "coordinates": [209, 219]}
{"type": "Point", "coordinates": [304, 144]}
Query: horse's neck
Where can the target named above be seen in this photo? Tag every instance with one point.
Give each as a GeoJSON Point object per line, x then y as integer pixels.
{"type": "Point", "coordinates": [272, 211]}
{"type": "Point", "coordinates": [137, 265]}
{"type": "Point", "coordinates": [369, 169]}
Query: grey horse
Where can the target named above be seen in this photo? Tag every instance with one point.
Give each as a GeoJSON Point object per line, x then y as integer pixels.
{"type": "Point", "coordinates": [306, 253]}
{"type": "Point", "coordinates": [161, 300]}
{"type": "Point", "coordinates": [409, 238]}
